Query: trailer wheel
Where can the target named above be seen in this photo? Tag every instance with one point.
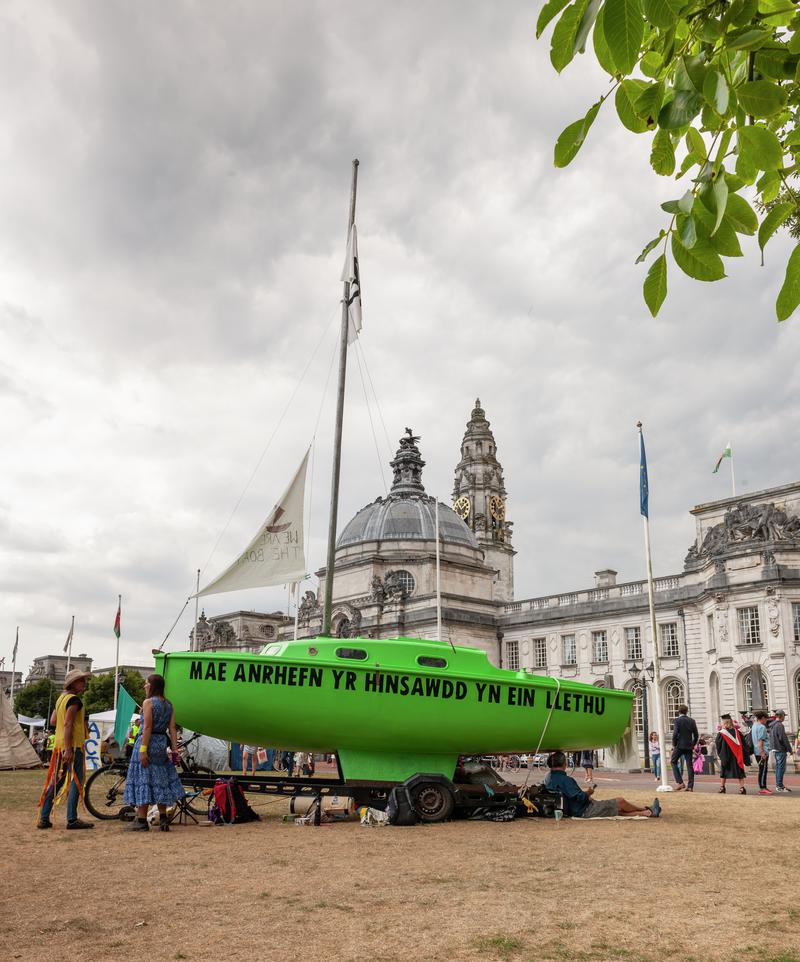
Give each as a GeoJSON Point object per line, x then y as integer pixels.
{"type": "Point", "coordinates": [432, 802]}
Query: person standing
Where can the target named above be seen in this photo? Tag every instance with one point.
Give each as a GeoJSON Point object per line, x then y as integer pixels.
{"type": "Point", "coordinates": [587, 761]}
{"type": "Point", "coordinates": [780, 745]}
{"type": "Point", "coordinates": [760, 735]}
{"type": "Point", "coordinates": [655, 755]}
{"type": "Point", "coordinates": [152, 779]}
{"type": "Point", "coordinates": [684, 737]}
{"type": "Point", "coordinates": [249, 757]}
{"type": "Point", "coordinates": [67, 763]}
{"type": "Point", "coordinates": [733, 758]}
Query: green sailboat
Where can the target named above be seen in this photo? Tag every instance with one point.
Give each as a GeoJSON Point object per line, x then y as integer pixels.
{"type": "Point", "coordinates": [391, 709]}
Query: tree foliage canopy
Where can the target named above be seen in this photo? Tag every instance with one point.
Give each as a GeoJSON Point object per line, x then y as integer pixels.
{"type": "Point", "coordinates": [33, 699]}
{"type": "Point", "coordinates": [716, 85]}
{"type": "Point", "coordinates": [99, 694]}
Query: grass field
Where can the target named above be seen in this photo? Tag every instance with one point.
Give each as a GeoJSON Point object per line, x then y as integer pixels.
{"type": "Point", "coordinates": [681, 887]}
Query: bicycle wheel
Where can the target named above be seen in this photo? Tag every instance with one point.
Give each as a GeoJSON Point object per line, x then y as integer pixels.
{"type": "Point", "coordinates": [199, 804]}
{"type": "Point", "coordinates": [104, 790]}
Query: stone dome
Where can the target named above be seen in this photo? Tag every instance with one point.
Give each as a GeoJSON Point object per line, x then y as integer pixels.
{"type": "Point", "coordinates": [407, 513]}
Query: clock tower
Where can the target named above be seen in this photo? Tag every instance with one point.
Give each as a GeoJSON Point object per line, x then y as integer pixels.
{"type": "Point", "coordinates": [479, 498]}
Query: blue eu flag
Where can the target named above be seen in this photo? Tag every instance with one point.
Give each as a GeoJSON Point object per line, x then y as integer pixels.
{"type": "Point", "coordinates": [644, 490]}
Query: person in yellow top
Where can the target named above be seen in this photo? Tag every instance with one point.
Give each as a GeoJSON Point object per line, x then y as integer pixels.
{"type": "Point", "coordinates": [67, 764]}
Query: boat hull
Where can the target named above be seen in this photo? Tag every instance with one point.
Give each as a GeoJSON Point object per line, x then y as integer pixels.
{"type": "Point", "coordinates": [386, 722]}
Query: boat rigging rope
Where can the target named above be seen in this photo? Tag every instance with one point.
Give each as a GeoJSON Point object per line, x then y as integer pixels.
{"type": "Point", "coordinates": [389, 448]}
{"type": "Point", "coordinates": [544, 732]}
{"type": "Point", "coordinates": [371, 422]}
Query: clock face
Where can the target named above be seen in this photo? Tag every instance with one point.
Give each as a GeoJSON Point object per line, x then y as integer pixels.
{"type": "Point", "coordinates": [497, 508]}
{"type": "Point", "coordinates": [461, 508]}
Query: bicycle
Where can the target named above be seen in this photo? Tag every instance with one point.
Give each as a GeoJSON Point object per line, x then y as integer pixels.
{"type": "Point", "coordinates": [104, 791]}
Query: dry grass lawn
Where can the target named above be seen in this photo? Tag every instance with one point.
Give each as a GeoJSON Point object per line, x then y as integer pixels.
{"type": "Point", "coordinates": [639, 891]}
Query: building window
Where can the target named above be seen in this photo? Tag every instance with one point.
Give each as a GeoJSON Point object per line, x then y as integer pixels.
{"type": "Point", "coordinates": [512, 655]}
{"type": "Point", "coordinates": [674, 696]}
{"type": "Point", "coordinates": [403, 580]}
{"type": "Point", "coordinates": [540, 653]}
{"type": "Point", "coordinates": [268, 631]}
{"type": "Point", "coordinates": [749, 701]}
{"type": "Point", "coordinates": [633, 643]}
{"type": "Point", "coordinates": [712, 644]}
{"type": "Point", "coordinates": [669, 640]}
{"type": "Point", "coordinates": [749, 632]}
{"type": "Point", "coordinates": [638, 710]}
{"type": "Point", "coordinates": [570, 649]}
{"type": "Point", "coordinates": [796, 621]}
{"type": "Point", "coordinates": [599, 646]}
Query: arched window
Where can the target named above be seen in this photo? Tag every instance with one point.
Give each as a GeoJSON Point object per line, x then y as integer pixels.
{"type": "Point", "coordinates": [406, 582]}
{"type": "Point", "coordinates": [344, 629]}
{"type": "Point", "coordinates": [674, 696]}
{"type": "Point", "coordinates": [749, 701]}
{"type": "Point", "coordinates": [638, 709]}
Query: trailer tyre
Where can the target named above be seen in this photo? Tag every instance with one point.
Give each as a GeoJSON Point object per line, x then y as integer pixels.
{"type": "Point", "coordinates": [433, 802]}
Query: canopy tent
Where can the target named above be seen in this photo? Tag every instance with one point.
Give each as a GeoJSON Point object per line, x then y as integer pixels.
{"type": "Point", "coordinates": [31, 723]}
{"type": "Point", "coordinates": [15, 749]}
{"type": "Point", "coordinates": [210, 752]}
{"type": "Point", "coordinates": [101, 728]}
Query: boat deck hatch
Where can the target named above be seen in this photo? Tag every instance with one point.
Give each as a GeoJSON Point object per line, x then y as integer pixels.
{"type": "Point", "coordinates": [358, 654]}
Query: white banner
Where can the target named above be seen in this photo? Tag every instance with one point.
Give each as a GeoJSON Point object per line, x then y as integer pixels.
{"type": "Point", "coordinates": [276, 555]}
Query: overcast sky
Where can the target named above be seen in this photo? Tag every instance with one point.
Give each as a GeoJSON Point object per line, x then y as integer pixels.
{"type": "Point", "coordinates": [173, 207]}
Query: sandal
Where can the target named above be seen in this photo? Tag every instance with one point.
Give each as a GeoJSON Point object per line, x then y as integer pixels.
{"type": "Point", "coordinates": [742, 790]}
{"type": "Point", "coordinates": [721, 791]}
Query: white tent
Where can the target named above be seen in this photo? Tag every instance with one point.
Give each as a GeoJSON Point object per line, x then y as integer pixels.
{"type": "Point", "coordinates": [211, 752]}
{"type": "Point", "coordinates": [15, 749]}
{"type": "Point", "coordinates": [101, 727]}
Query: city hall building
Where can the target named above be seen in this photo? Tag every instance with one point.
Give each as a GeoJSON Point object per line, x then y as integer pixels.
{"type": "Point", "coordinates": [728, 624]}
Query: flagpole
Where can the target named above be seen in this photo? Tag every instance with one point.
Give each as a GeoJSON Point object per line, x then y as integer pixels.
{"type": "Point", "coordinates": [69, 644]}
{"type": "Point", "coordinates": [296, 607]}
{"type": "Point", "coordinates": [733, 476]}
{"type": "Point", "coordinates": [116, 663]}
{"type": "Point", "coordinates": [644, 494]}
{"type": "Point", "coordinates": [14, 666]}
{"type": "Point", "coordinates": [337, 439]}
{"type": "Point", "coordinates": [196, 609]}
{"type": "Point", "coordinates": [438, 579]}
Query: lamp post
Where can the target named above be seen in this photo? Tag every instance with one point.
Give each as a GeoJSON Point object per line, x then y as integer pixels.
{"type": "Point", "coordinates": [640, 685]}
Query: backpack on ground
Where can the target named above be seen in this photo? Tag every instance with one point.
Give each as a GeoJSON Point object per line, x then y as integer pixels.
{"type": "Point", "coordinates": [228, 804]}
{"type": "Point", "coordinates": [400, 808]}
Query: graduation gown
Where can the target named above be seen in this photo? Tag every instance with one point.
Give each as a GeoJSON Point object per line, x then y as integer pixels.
{"type": "Point", "coordinates": [730, 751]}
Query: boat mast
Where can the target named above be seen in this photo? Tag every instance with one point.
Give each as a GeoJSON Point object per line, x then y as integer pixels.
{"type": "Point", "coordinates": [337, 437]}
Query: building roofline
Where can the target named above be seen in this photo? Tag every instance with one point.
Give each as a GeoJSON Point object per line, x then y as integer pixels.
{"type": "Point", "coordinates": [749, 496]}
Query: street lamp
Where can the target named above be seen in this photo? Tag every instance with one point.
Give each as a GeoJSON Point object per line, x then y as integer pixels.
{"type": "Point", "coordinates": [638, 676]}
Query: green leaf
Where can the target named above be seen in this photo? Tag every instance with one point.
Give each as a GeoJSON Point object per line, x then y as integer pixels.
{"type": "Point", "coordinates": [724, 241]}
{"type": "Point", "coordinates": [695, 143]}
{"type": "Point", "coordinates": [715, 90]}
{"type": "Point", "coordinates": [662, 13]}
{"type": "Point", "coordinates": [650, 247]}
{"type": "Point", "coordinates": [551, 9]}
{"type": "Point", "coordinates": [689, 161]}
{"type": "Point", "coordinates": [747, 39]}
{"type": "Point", "coordinates": [759, 148]}
{"type": "Point", "coordinates": [650, 64]}
{"type": "Point", "coordinates": [742, 11]}
{"type": "Point", "coordinates": [702, 262]}
{"type": "Point", "coordinates": [586, 24]}
{"type": "Point", "coordinates": [769, 186]}
{"type": "Point", "coordinates": [776, 64]}
{"type": "Point", "coordinates": [687, 231]}
{"type": "Point", "coordinates": [679, 111]}
{"type": "Point", "coordinates": [761, 98]}
{"type": "Point", "coordinates": [719, 200]}
{"type": "Point", "coordinates": [662, 156]}
{"type": "Point", "coordinates": [655, 285]}
{"type": "Point", "coordinates": [789, 297]}
{"type": "Point", "coordinates": [686, 203]}
{"type": "Point", "coordinates": [562, 43]}
{"type": "Point", "coordinates": [627, 94]}
{"type": "Point", "coordinates": [771, 223]}
{"type": "Point", "coordinates": [648, 103]}
{"type": "Point", "coordinates": [601, 50]}
{"type": "Point", "coordinates": [623, 24]}
{"type": "Point", "coordinates": [741, 215]}
{"type": "Point", "coordinates": [571, 139]}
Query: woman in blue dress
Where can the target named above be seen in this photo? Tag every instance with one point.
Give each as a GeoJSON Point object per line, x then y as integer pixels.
{"type": "Point", "coordinates": [152, 778]}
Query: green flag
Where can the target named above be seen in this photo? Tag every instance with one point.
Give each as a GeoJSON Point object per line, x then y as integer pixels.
{"type": "Point", "coordinates": [126, 707]}
{"type": "Point", "coordinates": [727, 453]}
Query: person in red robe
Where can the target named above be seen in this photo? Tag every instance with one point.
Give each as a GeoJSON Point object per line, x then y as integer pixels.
{"type": "Point", "coordinates": [731, 754]}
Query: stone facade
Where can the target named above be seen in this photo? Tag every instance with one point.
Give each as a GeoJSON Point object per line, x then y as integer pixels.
{"type": "Point", "coordinates": [237, 631]}
{"type": "Point", "coordinates": [54, 667]}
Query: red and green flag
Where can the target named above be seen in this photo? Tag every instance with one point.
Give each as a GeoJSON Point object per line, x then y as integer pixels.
{"type": "Point", "coordinates": [727, 453]}
{"type": "Point", "coordinates": [117, 621]}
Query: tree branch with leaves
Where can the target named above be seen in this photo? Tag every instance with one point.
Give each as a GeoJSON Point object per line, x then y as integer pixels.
{"type": "Point", "coordinates": [716, 83]}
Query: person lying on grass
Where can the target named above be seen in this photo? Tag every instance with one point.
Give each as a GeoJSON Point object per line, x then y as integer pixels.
{"type": "Point", "coordinates": [579, 803]}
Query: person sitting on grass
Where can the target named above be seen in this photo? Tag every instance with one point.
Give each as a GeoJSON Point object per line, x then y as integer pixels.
{"type": "Point", "coordinates": [579, 803]}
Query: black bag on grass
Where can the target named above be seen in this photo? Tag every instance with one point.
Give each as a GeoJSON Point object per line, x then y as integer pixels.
{"type": "Point", "coordinates": [400, 808]}
{"type": "Point", "coordinates": [229, 804]}
{"type": "Point", "coordinates": [545, 802]}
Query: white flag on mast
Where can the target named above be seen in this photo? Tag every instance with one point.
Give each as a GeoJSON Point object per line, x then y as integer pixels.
{"type": "Point", "coordinates": [276, 555]}
{"type": "Point", "coordinates": [68, 642]}
{"type": "Point", "coordinates": [350, 275]}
